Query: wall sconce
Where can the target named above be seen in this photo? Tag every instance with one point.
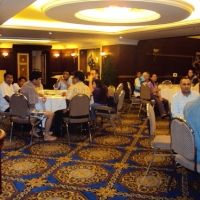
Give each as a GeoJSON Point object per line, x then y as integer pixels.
{"type": "Point", "coordinates": [5, 54]}
{"type": "Point", "coordinates": [103, 54]}
{"type": "Point", "coordinates": [155, 51]}
{"type": "Point", "coordinates": [56, 55]}
{"type": "Point", "coordinates": [74, 55]}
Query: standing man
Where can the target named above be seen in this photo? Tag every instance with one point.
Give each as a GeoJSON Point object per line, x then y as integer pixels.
{"type": "Point", "coordinates": [29, 91]}
{"type": "Point", "coordinates": [17, 86]}
{"type": "Point", "coordinates": [64, 82]}
{"type": "Point", "coordinates": [6, 91]}
{"type": "Point", "coordinates": [182, 97]}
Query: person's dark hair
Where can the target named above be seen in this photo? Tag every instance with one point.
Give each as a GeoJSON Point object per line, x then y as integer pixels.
{"type": "Point", "coordinates": [35, 75]}
{"type": "Point", "coordinates": [79, 75]}
{"type": "Point", "coordinates": [138, 72]}
{"type": "Point", "coordinates": [103, 90]}
{"type": "Point", "coordinates": [6, 74]}
{"type": "Point", "coordinates": [21, 77]}
{"type": "Point", "coordinates": [67, 71]}
{"type": "Point", "coordinates": [96, 70]}
{"type": "Point", "coordinates": [185, 77]}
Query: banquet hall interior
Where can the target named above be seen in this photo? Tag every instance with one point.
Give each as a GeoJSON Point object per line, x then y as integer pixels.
{"type": "Point", "coordinates": [52, 36]}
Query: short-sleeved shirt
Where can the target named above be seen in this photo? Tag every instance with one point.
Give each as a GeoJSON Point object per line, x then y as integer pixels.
{"type": "Point", "coordinates": [138, 83]}
{"type": "Point", "coordinates": [29, 91]}
{"type": "Point", "coordinates": [179, 101]}
{"type": "Point", "coordinates": [5, 90]}
{"type": "Point", "coordinates": [78, 88]}
{"type": "Point", "coordinates": [152, 87]}
{"type": "Point", "coordinates": [62, 86]}
{"type": "Point", "coordinates": [16, 87]}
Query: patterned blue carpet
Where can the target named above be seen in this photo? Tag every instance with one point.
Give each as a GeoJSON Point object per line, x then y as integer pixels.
{"type": "Point", "coordinates": [111, 167]}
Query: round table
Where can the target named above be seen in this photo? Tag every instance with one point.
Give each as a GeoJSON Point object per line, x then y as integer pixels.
{"type": "Point", "coordinates": [167, 92]}
{"type": "Point", "coordinates": [53, 103]}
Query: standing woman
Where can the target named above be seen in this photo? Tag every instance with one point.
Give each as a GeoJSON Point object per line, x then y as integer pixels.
{"type": "Point", "coordinates": [161, 102]}
{"type": "Point", "coordinates": [100, 95]}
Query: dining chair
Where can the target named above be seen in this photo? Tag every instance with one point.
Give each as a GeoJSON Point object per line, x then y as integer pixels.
{"type": "Point", "coordinates": [167, 82]}
{"type": "Point", "coordinates": [79, 112]}
{"type": "Point", "coordinates": [159, 142]}
{"type": "Point", "coordinates": [145, 96]}
{"type": "Point", "coordinates": [20, 113]}
{"type": "Point", "coordinates": [3, 116]}
{"type": "Point", "coordinates": [111, 91]}
{"type": "Point", "coordinates": [110, 113]}
{"type": "Point", "coordinates": [117, 93]}
{"type": "Point", "coordinates": [134, 100]}
{"type": "Point", "coordinates": [183, 144]}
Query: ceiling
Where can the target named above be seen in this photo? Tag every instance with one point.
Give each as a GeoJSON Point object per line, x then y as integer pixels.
{"type": "Point", "coordinates": [68, 23]}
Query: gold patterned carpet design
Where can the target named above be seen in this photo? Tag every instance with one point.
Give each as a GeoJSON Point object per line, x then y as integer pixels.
{"type": "Point", "coordinates": [111, 167]}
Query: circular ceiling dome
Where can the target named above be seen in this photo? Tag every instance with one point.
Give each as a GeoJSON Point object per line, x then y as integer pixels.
{"type": "Point", "coordinates": [115, 14]}
{"type": "Point", "coordinates": [118, 13]}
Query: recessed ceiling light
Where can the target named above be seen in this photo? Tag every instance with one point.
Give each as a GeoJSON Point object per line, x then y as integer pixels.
{"type": "Point", "coordinates": [120, 37]}
{"type": "Point", "coordinates": [0, 35]}
{"type": "Point", "coordinates": [50, 33]}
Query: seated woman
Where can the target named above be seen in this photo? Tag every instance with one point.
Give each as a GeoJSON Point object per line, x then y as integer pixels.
{"type": "Point", "coordinates": [99, 93]}
{"type": "Point", "coordinates": [161, 102]}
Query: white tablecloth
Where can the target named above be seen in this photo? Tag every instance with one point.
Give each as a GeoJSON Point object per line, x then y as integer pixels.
{"type": "Point", "coordinates": [167, 93]}
{"type": "Point", "coordinates": [53, 103]}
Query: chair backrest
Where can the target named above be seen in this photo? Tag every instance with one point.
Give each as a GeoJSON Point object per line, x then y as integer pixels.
{"type": "Point", "coordinates": [182, 139]}
{"type": "Point", "coordinates": [145, 92]}
{"type": "Point", "coordinates": [120, 101]}
{"type": "Point", "coordinates": [79, 109]}
{"type": "Point", "coordinates": [167, 82]}
{"type": "Point", "coordinates": [151, 119]}
{"type": "Point", "coordinates": [111, 91]}
{"type": "Point", "coordinates": [129, 89]}
{"type": "Point", "coordinates": [19, 105]}
{"type": "Point", "coordinates": [117, 92]}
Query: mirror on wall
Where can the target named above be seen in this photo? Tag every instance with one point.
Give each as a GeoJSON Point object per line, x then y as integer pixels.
{"type": "Point", "coordinates": [90, 59]}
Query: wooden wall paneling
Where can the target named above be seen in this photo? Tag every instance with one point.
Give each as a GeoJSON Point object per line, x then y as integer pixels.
{"type": "Point", "coordinates": [83, 60]}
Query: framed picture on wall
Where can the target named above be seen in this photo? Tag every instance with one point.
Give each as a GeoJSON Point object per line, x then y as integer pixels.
{"type": "Point", "coordinates": [23, 65]}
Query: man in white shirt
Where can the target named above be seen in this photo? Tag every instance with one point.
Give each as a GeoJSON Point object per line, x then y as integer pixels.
{"type": "Point", "coordinates": [64, 82]}
{"type": "Point", "coordinates": [17, 86]}
{"type": "Point", "coordinates": [182, 97]}
{"type": "Point", "coordinates": [6, 91]}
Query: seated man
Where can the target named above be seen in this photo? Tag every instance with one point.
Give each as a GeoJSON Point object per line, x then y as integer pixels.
{"type": "Point", "coordinates": [78, 87]}
{"type": "Point", "coordinates": [94, 75]}
{"type": "Point", "coordinates": [182, 97]}
{"type": "Point", "coordinates": [64, 82]}
{"type": "Point", "coordinates": [17, 86]}
{"type": "Point", "coordinates": [161, 102]}
{"type": "Point", "coordinates": [193, 78]}
{"type": "Point", "coordinates": [29, 91]}
{"type": "Point", "coordinates": [6, 91]}
{"type": "Point", "coordinates": [192, 116]}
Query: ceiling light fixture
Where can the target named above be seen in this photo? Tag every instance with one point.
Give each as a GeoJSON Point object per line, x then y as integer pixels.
{"type": "Point", "coordinates": [115, 14]}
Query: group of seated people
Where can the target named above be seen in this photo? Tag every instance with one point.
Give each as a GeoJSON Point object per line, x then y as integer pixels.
{"type": "Point", "coordinates": [74, 84]}
{"type": "Point", "coordinates": [185, 103]}
{"type": "Point", "coordinates": [151, 81]}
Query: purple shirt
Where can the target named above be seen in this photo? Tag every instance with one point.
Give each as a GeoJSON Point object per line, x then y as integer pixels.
{"type": "Point", "coordinates": [97, 98]}
{"type": "Point", "coordinates": [152, 87]}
